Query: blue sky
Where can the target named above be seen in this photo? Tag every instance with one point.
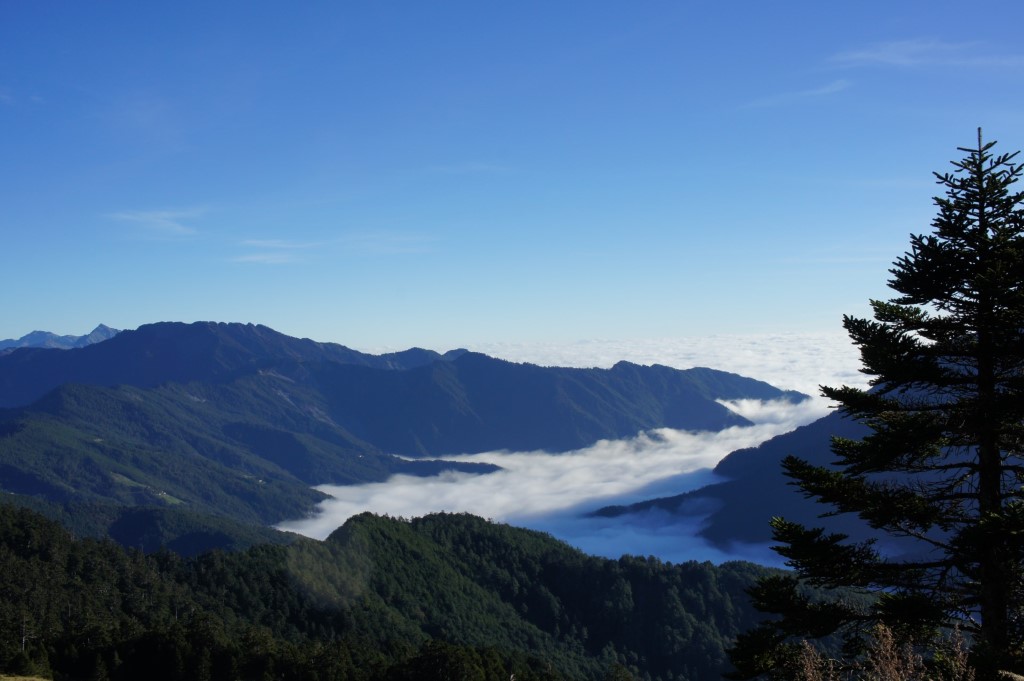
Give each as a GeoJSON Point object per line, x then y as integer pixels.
{"type": "Point", "coordinates": [447, 174]}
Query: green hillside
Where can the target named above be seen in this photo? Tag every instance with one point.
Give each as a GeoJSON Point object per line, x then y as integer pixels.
{"type": "Point", "coordinates": [381, 599]}
{"type": "Point", "coordinates": [228, 450]}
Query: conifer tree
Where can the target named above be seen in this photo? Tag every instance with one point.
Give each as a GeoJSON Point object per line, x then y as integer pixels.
{"type": "Point", "coordinates": [939, 476]}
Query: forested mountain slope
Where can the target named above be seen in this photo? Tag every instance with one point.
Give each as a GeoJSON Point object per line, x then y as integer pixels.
{"type": "Point", "coordinates": [382, 598]}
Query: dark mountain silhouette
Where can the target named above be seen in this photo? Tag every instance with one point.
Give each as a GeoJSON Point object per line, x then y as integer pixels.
{"type": "Point", "coordinates": [240, 421]}
{"type": "Point", "coordinates": [755, 489]}
{"type": "Point", "coordinates": [477, 403]}
{"type": "Point", "coordinates": [177, 352]}
{"type": "Point", "coordinates": [46, 339]}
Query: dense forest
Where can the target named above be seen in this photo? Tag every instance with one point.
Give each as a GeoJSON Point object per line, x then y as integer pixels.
{"type": "Point", "coordinates": [444, 596]}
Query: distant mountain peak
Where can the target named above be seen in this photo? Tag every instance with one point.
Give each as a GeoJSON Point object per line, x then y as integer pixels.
{"type": "Point", "coordinates": [47, 339]}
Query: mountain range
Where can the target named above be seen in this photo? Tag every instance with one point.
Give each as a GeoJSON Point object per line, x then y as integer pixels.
{"type": "Point", "coordinates": [212, 427]}
{"type": "Point", "coordinates": [46, 339]}
{"type": "Point", "coordinates": [192, 437]}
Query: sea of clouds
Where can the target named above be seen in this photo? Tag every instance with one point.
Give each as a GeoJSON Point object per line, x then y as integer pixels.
{"type": "Point", "coordinates": [555, 493]}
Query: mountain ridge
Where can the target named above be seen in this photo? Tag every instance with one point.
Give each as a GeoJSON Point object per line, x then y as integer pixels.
{"type": "Point", "coordinates": [48, 339]}
{"type": "Point", "coordinates": [753, 488]}
{"type": "Point", "coordinates": [443, 596]}
{"type": "Point", "coordinates": [178, 352]}
{"type": "Point", "coordinates": [240, 421]}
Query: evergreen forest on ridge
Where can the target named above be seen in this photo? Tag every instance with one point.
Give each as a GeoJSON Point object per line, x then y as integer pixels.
{"type": "Point", "coordinates": [444, 596]}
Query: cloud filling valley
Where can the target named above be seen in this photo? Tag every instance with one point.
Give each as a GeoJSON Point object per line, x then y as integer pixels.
{"type": "Point", "coordinates": [555, 493]}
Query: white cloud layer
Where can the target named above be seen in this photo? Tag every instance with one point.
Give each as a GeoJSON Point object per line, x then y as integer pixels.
{"type": "Point", "coordinates": [554, 492]}
{"type": "Point", "coordinates": [794, 361]}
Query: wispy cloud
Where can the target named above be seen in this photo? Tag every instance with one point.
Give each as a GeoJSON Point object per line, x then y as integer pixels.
{"type": "Point", "coordinates": [274, 251]}
{"type": "Point", "coordinates": [280, 244]}
{"type": "Point", "coordinates": [286, 252]}
{"type": "Point", "coordinates": [269, 258]}
{"type": "Point", "coordinates": [927, 52]}
{"type": "Point", "coordinates": [160, 223]}
{"type": "Point", "coordinates": [800, 95]}
{"type": "Point", "coordinates": [469, 168]}
{"type": "Point", "coordinates": [387, 243]}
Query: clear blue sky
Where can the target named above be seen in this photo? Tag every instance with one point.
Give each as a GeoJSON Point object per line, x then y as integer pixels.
{"type": "Point", "coordinates": [450, 173]}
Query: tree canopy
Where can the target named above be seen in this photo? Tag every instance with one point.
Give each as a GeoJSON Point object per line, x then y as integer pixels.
{"type": "Point", "coordinates": [937, 481]}
{"type": "Point", "coordinates": [383, 599]}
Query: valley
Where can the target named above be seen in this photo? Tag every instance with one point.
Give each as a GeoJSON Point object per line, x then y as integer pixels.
{"type": "Point", "coordinates": [230, 425]}
{"type": "Point", "coordinates": [175, 450]}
